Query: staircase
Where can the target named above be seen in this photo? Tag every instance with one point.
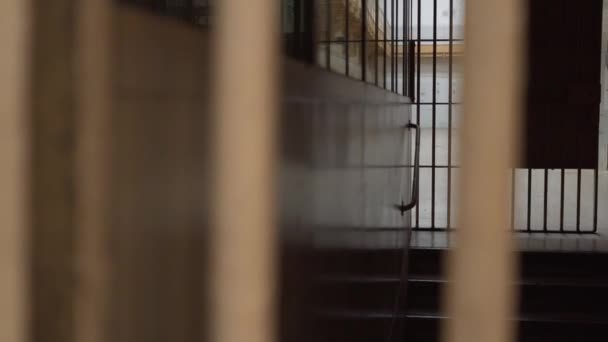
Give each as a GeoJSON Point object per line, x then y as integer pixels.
{"type": "Point", "coordinates": [563, 297]}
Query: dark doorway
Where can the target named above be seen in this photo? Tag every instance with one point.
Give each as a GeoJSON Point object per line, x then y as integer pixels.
{"type": "Point", "coordinates": [563, 83]}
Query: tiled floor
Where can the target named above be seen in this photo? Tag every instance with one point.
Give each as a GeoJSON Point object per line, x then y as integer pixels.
{"type": "Point", "coordinates": [525, 241]}
{"type": "Point", "coordinates": [442, 239]}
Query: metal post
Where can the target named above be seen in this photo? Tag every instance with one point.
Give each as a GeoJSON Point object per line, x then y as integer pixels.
{"type": "Point", "coordinates": [480, 300]}
{"type": "Point", "coordinates": [450, 108]}
{"type": "Point", "coordinates": [404, 50]}
{"type": "Point", "coordinates": [418, 73]}
{"type": "Point", "coordinates": [393, 25]}
{"type": "Point", "coordinates": [298, 51]}
{"type": "Point", "coordinates": [328, 36]}
{"type": "Point", "coordinates": [347, 35]}
{"type": "Point", "coordinates": [434, 117]}
{"type": "Point", "coordinates": [578, 200]}
{"type": "Point", "coordinates": [545, 200]}
{"type": "Point", "coordinates": [385, 50]}
{"type": "Point", "coordinates": [561, 199]}
{"type": "Point", "coordinates": [243, 237]}
{"type": "Point", "coordinates": [364, 40]}
{"type": "Point", "coordinates": [376, 43]}
{"type": "Point", "coordinates": [595, 198]}
{"type": "Point", "coordinates": [529, 211]}
{"type": "Point", "coordinates": [14, 20]}
{"type": "Point", "coordinates": [94, 109]}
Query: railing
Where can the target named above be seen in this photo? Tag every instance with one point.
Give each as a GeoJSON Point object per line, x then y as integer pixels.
{"type": "Point", "coordinates": [542, 200]}
{"type": "Point", "coordinates": [371, 38]}
{"type": "Point", "coordinates": [416, 179]}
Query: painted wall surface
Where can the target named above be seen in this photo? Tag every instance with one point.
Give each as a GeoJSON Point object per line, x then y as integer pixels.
{"type": "Point", "coordinates": [342, 144]}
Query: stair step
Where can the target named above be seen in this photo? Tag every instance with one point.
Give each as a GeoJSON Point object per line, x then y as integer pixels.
{"type": "Point", "coordinates": [581, 266]}
{"type": "Point", "coordinates": [563, 296]}
{"type": "Point", "coordinates": [424, 326]}
{"type": "Point", "coordinates": [361, 262]}
{"type": "Point", "coordinates": [537, 296]}
{"type": "Point", "coordinates": [530, 328]}
{"type": "Point", "coordinates": [359, 326]}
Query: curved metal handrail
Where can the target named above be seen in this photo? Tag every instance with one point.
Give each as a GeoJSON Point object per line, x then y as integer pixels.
{"type": "Point", "coordinates": [415, 181]}
{"type": "Point", "coordinates": [401, 292]}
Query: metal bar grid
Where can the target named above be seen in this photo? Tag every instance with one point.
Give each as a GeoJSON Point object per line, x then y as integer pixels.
{"type": "Point", "coordinates": [392, 56]}
{"type": "Point", "coordinates": [544, 205]}
{"type": "Point", "coordinates": [364, 40]}
{"type": "Point", "coordinates": [328, 35]}
{"type": "Point", "coordinates": [546, 200]}
{"type": "Point", "coordinates": [529, 202]}
{"type": "Point", "coordinates": [450, 100]}
{"type": "Point", "coordinates": [418, 100]}
{"type": "Point", "coordinates": [385, 46]}
{"type": "Point", "coordinates": [439, 40]}
{"type": "Point", "coordinates": [374, 36]}
{"type": "Point", "coordinates": [561, 203]}
{"type": "Point", "coordinates": [383, 18]}
{"type": "Point", "coordinates": [347, 36]}
{"type": "Point", "coordinates": [434, 109]}
{"type": "Point", "coordinates": [376, 45]}
{"type": "Point", "coordinates": [404, 49]}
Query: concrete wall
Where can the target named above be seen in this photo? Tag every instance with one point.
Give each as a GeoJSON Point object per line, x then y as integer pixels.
{"type": "Point", "coordinates": [342, 145]}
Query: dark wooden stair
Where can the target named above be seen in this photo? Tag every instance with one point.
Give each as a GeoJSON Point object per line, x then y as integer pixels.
{"type": "Point", "coordinates": [563, 296]}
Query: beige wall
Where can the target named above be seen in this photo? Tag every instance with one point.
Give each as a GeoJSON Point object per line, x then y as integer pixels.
{"type": "Point", "coordinates": [122, 190]}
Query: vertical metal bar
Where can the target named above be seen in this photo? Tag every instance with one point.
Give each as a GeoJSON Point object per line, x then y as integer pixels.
{"type": "Point", "coordinates": [411, 70]}
{"type": "Point", "coordinates": [308, 28]}
{"type": "Point", "coordinates": [410, 30]}
{"type": "Point", "coordinates": [404, 50]}
{"type": "Point", "coordinates": [94, 46]}
{"type": "Point", "coordinates": [385, 50]}
{"type": "Point", "coordinates": [513, 179]}
{"type": "Point", "coordinates": [434, 119]}
{"type": "Point", "coordinates": [364, 40]}
{"type": "Point", "coordinates": [328, 36]}
{"type": "Point", "coordinates": [483, 292]}
{"type": "Point", "coordinates": [419, 61]}
{"type": "Point", "coordinates": [347, 31]}
{"type": "Point", "coordinates": [297, 30]}
{"type": "Point", "coordinates": [595, 198]}
{"type": "Point", "coordinates": [396, 46]}
{"type": "Point", "coordinates": [450, 100]}
{"type": "Point", "coordinates": [561, 200]}
{"type": "Point", "coordinates": [529, 211]}
{"type": "Point", "coordinates": [242, 260]}
{"type": "Point", "coordinates": [578, 200]}
{"type": "Point", "coordinates": [14, 216]}
{"type": "Point", "coordinates": [392, 45]}
{"type": "Point", "coordinates": [545, 200]}
{"type": "Point", "coordinates": [189, 15]}
{"type": "Point", "coordinates": [281, 22]}
{"type": "Point", "coordinates": [376, 43]}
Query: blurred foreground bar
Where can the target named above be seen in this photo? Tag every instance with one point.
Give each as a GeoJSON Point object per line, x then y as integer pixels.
{"type": "Point", "coordinates": [481, 299]}
{"type": "Point", "coordinates": [243, 249]}
{"type": "Point", "coordinates": [14, 148]}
